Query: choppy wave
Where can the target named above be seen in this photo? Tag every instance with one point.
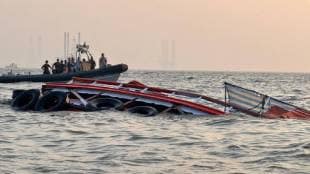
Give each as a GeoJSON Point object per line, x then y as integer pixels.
{"type": "Point", "coordinates": [118, 142]}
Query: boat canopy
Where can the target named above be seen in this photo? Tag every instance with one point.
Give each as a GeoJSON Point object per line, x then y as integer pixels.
{"type": "Point", "coordinates": [258, 104]}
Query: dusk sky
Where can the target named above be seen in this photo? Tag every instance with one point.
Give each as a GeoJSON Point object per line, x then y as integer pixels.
{"type": "Point", "coordinates": [221, 35]}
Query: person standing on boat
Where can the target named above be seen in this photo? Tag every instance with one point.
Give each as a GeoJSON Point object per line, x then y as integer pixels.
{"type": "Point", "coordinates": [78, 64]}
{"type": "Point", "coordinates": [92, 63]}
{"type": "Point", "coordinates": [69, 65]}
{"type": "Point", "coordinates": [65, 68]}
{"type": "Point", "coordinates": [56, 67]}
{"type": "Point", "coordinates": [73, 65]}
{"type": "Point", "coordinates": [61, 67]}
{"type": "Point", "coordinates": [46, 68]}
{"type": "Point", "coordinates": [102, 61]}
{"type": "Point", "coordinates": [85, 65]}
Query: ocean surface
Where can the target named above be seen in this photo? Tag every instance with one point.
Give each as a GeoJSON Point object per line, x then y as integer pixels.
{"type": "Point", "coordinates": [119, 142]}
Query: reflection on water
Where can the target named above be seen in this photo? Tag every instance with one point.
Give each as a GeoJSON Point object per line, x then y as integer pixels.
{"type": "Point", "coordinates": [118, 142]}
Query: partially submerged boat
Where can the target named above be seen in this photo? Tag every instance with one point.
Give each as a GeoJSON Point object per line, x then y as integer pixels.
{"type": "Point", "coordinates": [91, 94]}
{"type": "Point", "coordinates": [110, 73]}
{"type": "Point", "coordinates": [84, 94]}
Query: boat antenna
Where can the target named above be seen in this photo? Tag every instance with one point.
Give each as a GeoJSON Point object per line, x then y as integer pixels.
{"type": "Point", "coordinates": [65, 37]}
{"type": "Point", "coordinates": [68, 47]}
{"type": "Point", "coordinates": [79, 37]}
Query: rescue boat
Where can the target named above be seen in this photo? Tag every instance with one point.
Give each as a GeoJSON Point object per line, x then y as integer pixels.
{"type": "Point", "coordinates": [110, 73]}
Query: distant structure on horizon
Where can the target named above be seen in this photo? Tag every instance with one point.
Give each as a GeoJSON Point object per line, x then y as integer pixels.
{"type": "Point", "coordinates": [167, 60]}
{"type": "Point", "coordinates": [31, 54]}
{"type": "Point", "coordinates": [40, 47]}
{"type": "Point", "coordinates": [35, 48]}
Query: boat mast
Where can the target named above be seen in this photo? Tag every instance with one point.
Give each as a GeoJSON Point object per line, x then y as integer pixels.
{"type": "Point", "coordinates": [77, 53]}
{"type": "Point", "coordinates": [68, 47]}
{"type": "Point", "coordinates": [65, 37]}
{"type": "Point", "coordinates": [79, 38]}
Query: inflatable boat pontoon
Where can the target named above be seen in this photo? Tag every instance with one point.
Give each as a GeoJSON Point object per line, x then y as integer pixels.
{"type": "Point", "coordinates": [110, 73]}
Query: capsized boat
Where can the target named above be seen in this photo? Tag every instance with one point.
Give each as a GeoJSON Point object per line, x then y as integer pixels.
{"type": "Point", "coordinates": [84, 94]}
{"type": "Point", "coordinates": [110, 73]}
{"type": "Point", "coordinates": [91, 94]}
{"type": "Point", "coordinates": [260, 105]}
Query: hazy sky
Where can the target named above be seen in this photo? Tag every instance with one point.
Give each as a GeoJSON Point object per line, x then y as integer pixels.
{"type": "Point", "coordinates": [225, 35]}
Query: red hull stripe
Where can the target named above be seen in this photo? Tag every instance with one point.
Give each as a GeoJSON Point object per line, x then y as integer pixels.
{"type": "Point", "coordinates": [139, 85]}
{"type": "Point", "coordinates": [176, 101]}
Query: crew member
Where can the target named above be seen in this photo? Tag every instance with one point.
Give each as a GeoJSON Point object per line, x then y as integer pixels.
{"type": "Point", "coordinates": [92, 63]}
{"type": "Point", "coordinates": [73, 65]}
{"type": "Point", "coordinates": [46, 68]}
{"type": "Point", "coordinates": [61, 67]}
{"type": "Point", "coordinates": [102, 61]}
{"type": "Point", "coordinates": [65, 68]}
{"type": "Point", "coordinates": [78, 64]}
{"type": "Point", "coordinates": [56, 68]}
{"type": "Point", "coordinates": [85, 66]}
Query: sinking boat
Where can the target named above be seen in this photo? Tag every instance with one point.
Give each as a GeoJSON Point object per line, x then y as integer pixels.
{"type": "Point", "coordinates": [91, 95]}
{"type": "Point", "coordinates": [84, 94]}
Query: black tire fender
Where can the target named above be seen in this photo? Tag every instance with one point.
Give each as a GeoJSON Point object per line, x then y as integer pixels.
{"type": "Point", "coordinates": [87, 108]}
{"type": "Point", "coordinates": [52, 101]}
{"type": "Point", "coordinates": [16, 92]}
{"type": "Point", "coordinates": [106, 103]}
{"type": "Point", "coordinates": [175, 111]}
{"type": "Point", "coordinates": [147, 111]}
{"type": "Point", "coordinates": [25, 100]}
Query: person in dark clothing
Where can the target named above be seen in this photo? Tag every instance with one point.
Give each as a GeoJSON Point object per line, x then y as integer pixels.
{"type": "Point", "coordinates": [69, 65]}
{"type": "Point", "coordinates": [56, 67]}
{"type": "Point", "coordinates": [73, 65]}
{"type": "Point", "coordinates": [61, 67]}
{"type": "Point", "coordinates": [46, 68]}
{"type": "Point", "coordinates": [92, 63]}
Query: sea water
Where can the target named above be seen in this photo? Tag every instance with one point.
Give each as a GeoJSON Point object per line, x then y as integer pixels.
{"type": "Point", "coordinates": [119, 142]}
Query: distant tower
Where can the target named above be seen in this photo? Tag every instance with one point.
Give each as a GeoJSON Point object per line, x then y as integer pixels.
{"type": "Point", "coordinates": [39, 47]}
{"type": "Point", "coordinates": [31, 55]}
{"type": "Point", "coordinates": [164, 54]}
{"type": "Point", "coordinates": [73, 46]}
{"type": "Point", "coordinates": [68, 45]}
{"type": "Point", "coordinates": [65, 44]}
{"type": "Point", "coordinates": [167, 54]}
{"type": "Point", "coordinates": [172, 57]}
{"type": "Point", "coordinates": [79, 38]}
